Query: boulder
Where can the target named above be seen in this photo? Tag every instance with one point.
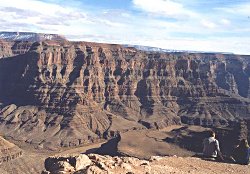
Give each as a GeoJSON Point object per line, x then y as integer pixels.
{"type": "Point", "coordinates": [67, 163]}
{"type": "Point", "coordinates": [82, 161]}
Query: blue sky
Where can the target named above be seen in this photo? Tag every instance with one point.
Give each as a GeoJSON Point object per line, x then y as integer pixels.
{"type": "Point", "coordinates": [202, 25]}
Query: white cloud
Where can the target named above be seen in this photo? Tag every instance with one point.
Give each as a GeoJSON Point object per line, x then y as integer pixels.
{"type": "Point", "coordinates": [145, 26]}
{"type": "Point", "coordinates": [208, 24]}
{"type": "Point", "coordinates": [241, 9]}
{"type": "Point", "coordinates": [49, 17]}
{"type": "Point", "coordinates": [225, 21]}
{"type": "Point", "coordinates": [109, 23]}
{"type": "Point", "coordinates": [45, 17]}
{"type": "Point", "coordinates": [42, 7]}
{"type": "Point", "coordinates": [167, 8]}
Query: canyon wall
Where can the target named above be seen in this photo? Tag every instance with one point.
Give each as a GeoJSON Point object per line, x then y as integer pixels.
{"type": "Point", "coordinates": [71, 93]}
{"type": "Point", "coordinates": [9, 49]}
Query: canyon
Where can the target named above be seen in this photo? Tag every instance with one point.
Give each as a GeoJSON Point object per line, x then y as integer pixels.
{"type": "Point", "coordinates": [56, 93]}
{"type": "Point", "coordinates": [58, 96]}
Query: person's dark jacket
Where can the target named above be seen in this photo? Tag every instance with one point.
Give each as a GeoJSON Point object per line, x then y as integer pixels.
{"type": "Point", "coordinates": [241, 155]}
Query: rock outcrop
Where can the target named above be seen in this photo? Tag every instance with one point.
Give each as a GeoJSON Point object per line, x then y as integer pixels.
{"type": "Point", "coordinates": [68, 164]}
{"type": "Point", "coordinates": [8, 151]}
{"type": "Point", "coordinates": [71, 93]}
{"type": "Point", "coordinates": [98, 164]}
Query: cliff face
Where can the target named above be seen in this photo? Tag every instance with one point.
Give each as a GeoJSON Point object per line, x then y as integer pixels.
{"type": "Point", "coordinates": [9, 49]}
{"type": "Point", "coordinates": [90, 90]}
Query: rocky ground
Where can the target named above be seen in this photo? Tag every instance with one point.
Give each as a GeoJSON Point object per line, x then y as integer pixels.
{"type": "Point", "coordinates": [98, 164]}
{"type": "Point", "coordinates": [32, 160]}
{"type": "Point", "coordinates": [153, 151]}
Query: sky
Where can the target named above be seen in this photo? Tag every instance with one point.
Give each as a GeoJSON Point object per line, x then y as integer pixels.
{"type": "Point", "coordinates": [198, 25]}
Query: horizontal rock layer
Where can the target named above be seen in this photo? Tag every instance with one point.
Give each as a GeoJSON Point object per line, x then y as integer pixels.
{"type": "Point", "coordinates": [85, 91]}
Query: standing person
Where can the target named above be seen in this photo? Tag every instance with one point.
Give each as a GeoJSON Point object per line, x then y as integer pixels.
{"type": "Point", "coordinates": [241, 153]}
{"type": "Point", "coordinates": [211, 147]}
